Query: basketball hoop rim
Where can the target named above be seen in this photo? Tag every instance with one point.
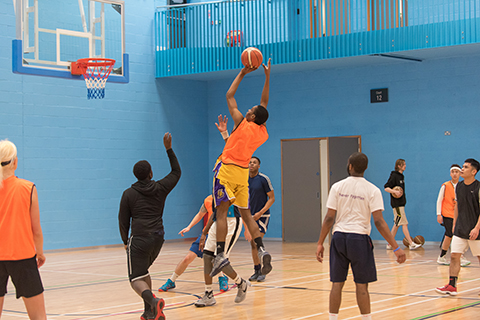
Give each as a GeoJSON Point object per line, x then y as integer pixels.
{"type": "Point", "coordinates": [95, 62]}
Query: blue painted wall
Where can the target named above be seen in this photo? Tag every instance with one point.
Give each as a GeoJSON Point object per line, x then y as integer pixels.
{"type": "Point", "coordinates": [426, 99]}
{"type": "Point", "coordinates": [80, 153]}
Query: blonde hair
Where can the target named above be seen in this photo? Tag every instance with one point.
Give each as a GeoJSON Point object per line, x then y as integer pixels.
{"type": "Point", "coordinates": [8, 153]}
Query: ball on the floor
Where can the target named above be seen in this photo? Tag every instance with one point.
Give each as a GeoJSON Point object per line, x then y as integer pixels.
{"type": "Point", "coordinates": [419, 240]}
{"type": "Point", "coordinates": [405, 242]}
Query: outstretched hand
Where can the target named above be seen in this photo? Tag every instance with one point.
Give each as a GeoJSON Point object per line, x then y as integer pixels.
{"type": "Point", "coordinates": [246, 70]}
{"type": "Point", "coordinates": [267, 67]}
{"type": "Point", "coordinates": [222, 123]}
{"type": "Point", "coordinates": [167, 141]}
{"type": "Point", "coordinates": [184, 230]}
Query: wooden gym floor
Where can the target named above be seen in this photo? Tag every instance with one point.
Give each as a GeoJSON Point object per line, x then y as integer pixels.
{"type": "Point", "coordinates": [92, 284]}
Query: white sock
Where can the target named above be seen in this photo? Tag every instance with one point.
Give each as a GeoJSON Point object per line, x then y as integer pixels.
{"type": "Point", "coordinates": [174, 277]}
{"type": "Point", "coordinates": [367, 316]}
{"type": "Point", "coordinates": [208, 288]}
{"type": "Point", "coordinates": [238, 280]}
{"type": "Point", "coordinates": [333, 316]}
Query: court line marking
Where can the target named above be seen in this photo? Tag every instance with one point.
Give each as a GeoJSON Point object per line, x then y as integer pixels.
{"type": "Point", "coordinates": [316, 280]}
{"type": "Point", "coordinates": [394, 298]}
{"type": "Point", "coordinates": [419, 302]}
{"type": "Point", "coordinates": [284, 286]}
{"type": "Point", "coordinates": [325, 275]}
{"type": "Point", "coordinates": [14, 314]}
{"type": "Point", "coordinates": [309, 276]}
{"type": "Point", "coordinates": [83, 273]}
{"type": "Point", "coordinates": [451, 310]}
{"type": "Point", "coordinates": [78, 261]}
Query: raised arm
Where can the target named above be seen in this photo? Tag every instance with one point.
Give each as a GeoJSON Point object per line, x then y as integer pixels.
{"type": "Point", "coordinates": [266, 86]}
{"type": "Point", "coordinates": [170, 180]}
{"type": "Point", "coordinates": [237, 116]}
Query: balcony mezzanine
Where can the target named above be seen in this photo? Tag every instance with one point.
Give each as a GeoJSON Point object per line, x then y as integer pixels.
{"type": "Point", "coordinates": [209, 37]}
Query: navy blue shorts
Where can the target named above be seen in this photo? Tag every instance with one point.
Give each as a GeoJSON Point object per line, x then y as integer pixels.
{"type": "Point", "coordinates": [141, 254]}
{"type": "Point", "coordinates": [352, 249]}
{"type": "Point", "coordinates": [263, 224]}
{"type": "Point", "coordinates": [195, 247]}
{"type": "Point", "coordinates": [25, 277]}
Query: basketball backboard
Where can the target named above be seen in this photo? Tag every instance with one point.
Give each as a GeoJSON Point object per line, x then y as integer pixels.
{"type": "Point", "coordinates": [52, 34]}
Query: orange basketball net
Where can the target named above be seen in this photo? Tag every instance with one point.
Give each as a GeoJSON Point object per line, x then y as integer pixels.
{"type": "Point", "coordinates": [96, 72]}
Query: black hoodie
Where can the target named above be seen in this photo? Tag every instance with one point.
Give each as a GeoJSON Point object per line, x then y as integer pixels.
{"type": "Point", "coordinates": [143, 203]}
{"type": "Point", "coordinates": [396, 179]}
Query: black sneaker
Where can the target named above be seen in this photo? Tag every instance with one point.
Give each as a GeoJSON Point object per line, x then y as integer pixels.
{"type": "Point", "coordinates": [158, 309]}
{"type": "Point", "coordinates": [147, 315]}
{"type": "Point", "coordinates": [254, 276]}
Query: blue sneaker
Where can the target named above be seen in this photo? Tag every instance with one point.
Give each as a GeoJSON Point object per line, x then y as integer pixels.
{"type": "Point", "coordinates": [167, 286]}
{"type": "Point", "coordinates": [223, 283]}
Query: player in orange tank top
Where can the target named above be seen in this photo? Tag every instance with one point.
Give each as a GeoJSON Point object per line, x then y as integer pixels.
{"type": "Point", "coordinates": [231, 173]}
{"type": "Point", "coordinates": [21, 238]}
{"type": "Point", "coordinates": [445, 214]}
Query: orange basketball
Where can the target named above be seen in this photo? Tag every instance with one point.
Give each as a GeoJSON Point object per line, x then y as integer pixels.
{"type": "Point", "coordinates": [405, 242]}
{"type": "Point", "coordinates": [252, 57]}
{"type": "Point", "coordinates": [419, 240]}
{"type": "Point", "coordinates": [399, 189]}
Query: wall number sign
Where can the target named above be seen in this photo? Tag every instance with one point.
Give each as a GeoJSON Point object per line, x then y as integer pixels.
{"type": "Point", "coordinates": [379, 95]}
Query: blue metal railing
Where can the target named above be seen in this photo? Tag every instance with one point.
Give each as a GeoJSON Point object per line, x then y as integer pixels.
{"type": "Point", "coordinates": [207, 37]}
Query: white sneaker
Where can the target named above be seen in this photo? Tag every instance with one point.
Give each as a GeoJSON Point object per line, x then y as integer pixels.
{"type": "Point", "coordinates": [207, 300]}
{"type": "Point", "coordinates": [414, 246]}
{"type": "Point", "coordinates": [389, 247]}
{"type": "Point", "coordinates": [242, 291]}
{"type": "Point", "coordinates": [266, 260]}
{"type": "Point", "coordinates": [443, 261]}
{"type": "Point", "coordinates": [463, 261]}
